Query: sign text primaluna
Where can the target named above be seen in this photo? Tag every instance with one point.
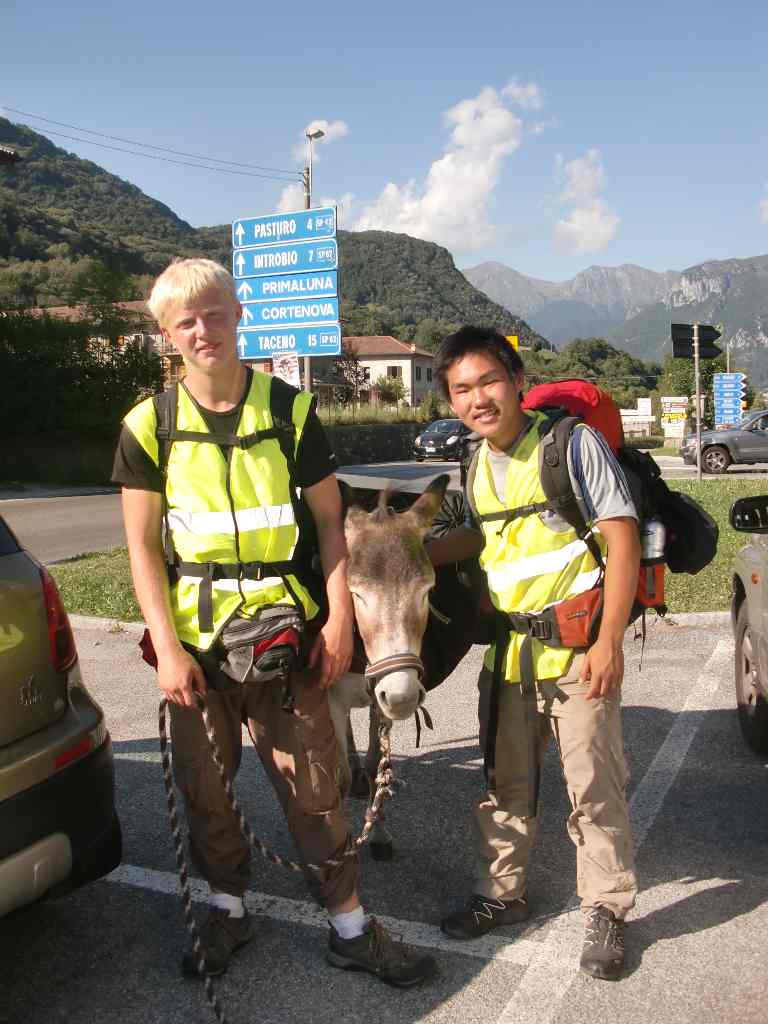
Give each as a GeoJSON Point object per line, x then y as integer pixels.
{"type": "Point", "coordinates": [275, 228]}
{"type": "Point", "coordinates": [305, 311]}
{"type": "Point", "coordinates": [297, 285]}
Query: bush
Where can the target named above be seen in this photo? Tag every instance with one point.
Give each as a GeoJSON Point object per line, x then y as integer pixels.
{"type": "Point", "coordinates": [431, 407]}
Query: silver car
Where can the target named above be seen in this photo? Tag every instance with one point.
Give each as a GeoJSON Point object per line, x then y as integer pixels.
{"type": "Point", "coordinates": [749, 615]}
{"type": "Point", "coordinates": [58, 825]}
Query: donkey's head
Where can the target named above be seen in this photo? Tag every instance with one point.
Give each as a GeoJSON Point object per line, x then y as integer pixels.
{"type": "Point", "coordinates": [390, 577]}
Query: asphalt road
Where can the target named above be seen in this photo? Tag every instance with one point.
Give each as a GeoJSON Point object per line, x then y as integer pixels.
{"type": "Point", "coordinates": [695, 941]}
{"type": "Point", "coordinates": [59, 527]}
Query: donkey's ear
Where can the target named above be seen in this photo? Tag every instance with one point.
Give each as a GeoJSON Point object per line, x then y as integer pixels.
{"type": "Point", "coordinates": [424, 509]}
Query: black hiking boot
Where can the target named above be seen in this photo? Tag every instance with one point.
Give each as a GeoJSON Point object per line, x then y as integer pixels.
{"type": "Point", "coordinates": [482, 915]}
{"type": "Point", "coordinates": [220, 936]}
{"type": "Point", "coordinates": [378, 953]}
{"type": "Point", "coordinates": [603, 952]}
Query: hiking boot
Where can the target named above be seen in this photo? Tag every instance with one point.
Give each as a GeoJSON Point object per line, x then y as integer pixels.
{"type": "Point", "coordinates": [220, 936]}
{"type": "Point", "coordinates": [378, 953]}
{"type": "Point", "coordinates": [603, 952]}
{"type": "Point", "coordinates": [483, 915]}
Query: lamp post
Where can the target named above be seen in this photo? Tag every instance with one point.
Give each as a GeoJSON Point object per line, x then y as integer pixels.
{"type": "Point", "coordinates": [311, 137]}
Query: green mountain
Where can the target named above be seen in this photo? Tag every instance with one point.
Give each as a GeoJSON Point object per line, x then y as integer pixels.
{"type": "Point", "coordinates": [56, 209]}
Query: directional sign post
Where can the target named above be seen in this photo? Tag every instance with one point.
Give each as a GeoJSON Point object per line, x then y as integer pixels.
{"type": "Point", "coordinates": [287, 283]}
{"type": "Point", "coordinates": [728, 393]}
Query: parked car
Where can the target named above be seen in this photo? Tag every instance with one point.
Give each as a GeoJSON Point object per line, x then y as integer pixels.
{"type": "Point", "coordinates": [745, 444]}
{"type": "Point", "coordinates": [440, 440]}
{"type": "Point", "coordinates": [749, 616]}
{"type": "Point", "coordinates": [58, 825]}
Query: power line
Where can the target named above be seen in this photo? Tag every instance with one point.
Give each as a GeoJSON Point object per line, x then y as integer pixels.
{"type": "Point", "coordinates": [149, 145]}
{"type": "Point", "coordinates": [170, 160]}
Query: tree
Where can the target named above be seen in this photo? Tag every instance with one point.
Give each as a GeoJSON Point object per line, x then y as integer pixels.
{"type": "Point", "coordinates": [390, 389]}
{"type": "Point", "coordinates": [100, 287]}
{"type": "Point", "coordinates": [352, 377]}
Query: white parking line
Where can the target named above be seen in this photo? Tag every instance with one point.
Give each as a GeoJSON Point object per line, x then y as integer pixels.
{"type": "Point", "coordinates": [554, 964]}
{"type": "Point", "coordinates": [304, 913]}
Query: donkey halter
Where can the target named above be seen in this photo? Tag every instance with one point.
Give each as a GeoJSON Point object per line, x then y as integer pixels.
{"type": "Point", "coordinates": [376, 670]}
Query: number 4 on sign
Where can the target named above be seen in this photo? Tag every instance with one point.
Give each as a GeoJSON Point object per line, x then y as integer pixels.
{"type": "Point", "coordinates": [309, 224]}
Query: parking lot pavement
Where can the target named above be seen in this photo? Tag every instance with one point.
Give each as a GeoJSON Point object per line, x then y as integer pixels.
{"type": "Point", "coordinates": [695, 939]}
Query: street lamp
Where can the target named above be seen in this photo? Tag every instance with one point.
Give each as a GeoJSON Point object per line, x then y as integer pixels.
{"type": "Point", "coordinates": [311, 137]}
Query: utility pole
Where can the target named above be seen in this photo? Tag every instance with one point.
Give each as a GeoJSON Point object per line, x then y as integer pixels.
{"type": "Point", "coordinates": [696, 368]}
{"type": "Point", "coordinates": [307, 179]}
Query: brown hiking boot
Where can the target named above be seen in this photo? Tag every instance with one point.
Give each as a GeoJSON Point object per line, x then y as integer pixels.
{"type": "Point", "coordinates": [603, 952]}
{"type": "Point", "coordinates": [220, 936]}
{"type": "Point", "coordinates": [378, 953]}
{"type": "Point", "coordinates": [482, 915]}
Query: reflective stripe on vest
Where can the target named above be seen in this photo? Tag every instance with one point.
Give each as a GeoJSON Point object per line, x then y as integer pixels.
{"type": "Point", "coordinates": [529, 565]}
{"type": "Point", "coordinates": [203, 528]}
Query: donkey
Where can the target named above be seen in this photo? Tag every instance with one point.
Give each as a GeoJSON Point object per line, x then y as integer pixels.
{"type": "Point", "coordinates": [390, 578]}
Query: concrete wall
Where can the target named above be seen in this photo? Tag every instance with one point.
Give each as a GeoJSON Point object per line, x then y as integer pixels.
{"type": "Point", "coordinates": [71, 461]}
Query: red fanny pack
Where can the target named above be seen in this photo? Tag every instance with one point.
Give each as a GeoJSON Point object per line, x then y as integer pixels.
{"type": "Point", "coordinates": [573, 623]}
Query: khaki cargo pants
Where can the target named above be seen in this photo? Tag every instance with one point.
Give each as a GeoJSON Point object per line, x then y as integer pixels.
{"type": "Point", "coordinates": [299, 753]}
{"type": "Point", "coordinates": [588, 737]}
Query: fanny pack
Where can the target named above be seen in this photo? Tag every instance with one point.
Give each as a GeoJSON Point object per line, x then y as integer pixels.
{"type": "Point", "coordinates": [266, 648]}
{"type": "Point", "coordinates": [574, 622]}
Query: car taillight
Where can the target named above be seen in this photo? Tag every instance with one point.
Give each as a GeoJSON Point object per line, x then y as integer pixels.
{"type": "Point", "coordinates": [60, 638]}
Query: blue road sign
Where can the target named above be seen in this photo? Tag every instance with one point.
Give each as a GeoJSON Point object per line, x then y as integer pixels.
{"type": "Point", "coordinates": [727, 377]}
{"type": "Point", "coordinates": [728, 393]}
{"type": "Point", "coordinates": [321, 285]}
{"type": "Point", "coordinates": [284, 314]}
{"type": "Point", "coordinates": [295, 258]}
{"type": "Point", "coordinates": [263, 343]}
{"type": "Point", "coordinates": [319, 222]}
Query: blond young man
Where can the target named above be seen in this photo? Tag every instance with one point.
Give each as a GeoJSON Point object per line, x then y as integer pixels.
{"type": "Point", "coordinates": [214, 529]}
{"type": "Point", "coordinates": [536, 560]}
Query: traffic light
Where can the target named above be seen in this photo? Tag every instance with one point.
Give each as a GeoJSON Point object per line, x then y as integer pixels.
{"type": "Point", "coordinates": [682, 341]}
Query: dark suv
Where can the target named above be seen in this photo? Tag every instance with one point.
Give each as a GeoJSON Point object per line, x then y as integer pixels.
{"type": "Point", "coordinates": [58, 826]}
{"type": "Point", "coordinates": [746, 444]}
{"type": "Point", "coordinates": [440, 440]}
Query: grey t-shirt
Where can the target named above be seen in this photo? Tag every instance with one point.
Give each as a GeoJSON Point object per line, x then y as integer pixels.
{"type": "Point", "coordinates": [597, 479]}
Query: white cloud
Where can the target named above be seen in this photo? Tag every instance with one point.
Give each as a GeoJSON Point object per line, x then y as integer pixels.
{"type": "Point", "coordinates": [451, 206]}
{"type": "Point", "coordinates": [763, 208]}
{"type": "Point", "coordinates": [528, 96]}
{"type": "Point", "coordinates": [291, 198]}
{"type": "Point", "coordinates": [584, 177]}
{"type": "Point", "coordinates": [591, 224]}
{"type": "Point", "coordinates": [333, 131]}
{"type": "Point", "coordinates": [588, 228]}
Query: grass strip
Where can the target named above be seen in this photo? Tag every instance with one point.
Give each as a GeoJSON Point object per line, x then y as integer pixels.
{"type": "Point", "coordinates": [100, 584]}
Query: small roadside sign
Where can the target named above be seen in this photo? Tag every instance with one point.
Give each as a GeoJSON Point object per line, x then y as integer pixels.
{"type": "Point", "coordinates": [281, 314]}
{"type": "Point", "coordinates": [281, 259]}
{"type": "Point", "coordinates": [263, 343]}
{"type": "Point", "coordinates": [319, 222]}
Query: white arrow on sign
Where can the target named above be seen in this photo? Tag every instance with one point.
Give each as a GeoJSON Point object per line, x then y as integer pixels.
{"type": "Point", "coordinates": [239, 232]}
{"type": "Point", "coordinates": [240, 262]}
{"type": "Point", "coordinates": [247, 314]}
{"type": "Point", "coordinates": [245, 291]}
{"type": "Point", "coordinates": [242, 344]}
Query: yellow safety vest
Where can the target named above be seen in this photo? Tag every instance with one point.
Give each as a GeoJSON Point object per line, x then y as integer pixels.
{"type": "Point", "coordinates": [529, 565]}
{"type": "Point", "coordinates": [258, 525]}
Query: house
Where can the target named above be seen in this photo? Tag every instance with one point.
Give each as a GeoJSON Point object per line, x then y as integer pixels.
{"type": "Point", "coordinates": [383, 356]}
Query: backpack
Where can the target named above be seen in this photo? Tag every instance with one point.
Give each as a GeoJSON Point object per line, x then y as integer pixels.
{"type": "Point", "coordinates": [675, 530]}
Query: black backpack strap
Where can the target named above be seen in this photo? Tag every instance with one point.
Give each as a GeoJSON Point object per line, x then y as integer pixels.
{"type": "Point", "coordinates": [556, 480]}
{"type": "Point", "coordinates": [166, 406]}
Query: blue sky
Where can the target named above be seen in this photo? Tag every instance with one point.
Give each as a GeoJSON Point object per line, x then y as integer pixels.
{"type": "Point", "coordinates": [547, 136]}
